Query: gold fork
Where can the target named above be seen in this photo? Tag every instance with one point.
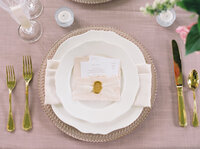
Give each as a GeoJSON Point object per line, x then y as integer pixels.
{"type": "Point", "coordinates": [11, 82]}
{"type": "Point", "coordinates": [28, 75]}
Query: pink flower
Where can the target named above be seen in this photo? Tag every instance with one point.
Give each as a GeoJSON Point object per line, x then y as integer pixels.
{"type": "Point", "coordinates": [197, 53]}
{"type": "Point", "coordinates": [183, 31]}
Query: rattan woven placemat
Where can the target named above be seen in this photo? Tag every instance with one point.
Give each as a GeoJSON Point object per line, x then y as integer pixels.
{"type": "Point", "coordinates": [91, 1]}
{"type": "Point", "coordinates": [71, 131]}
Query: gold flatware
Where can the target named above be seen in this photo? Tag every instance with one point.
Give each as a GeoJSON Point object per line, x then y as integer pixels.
{"type": "Point", "coordinates": [179, 84]}
{"type": "Point", "coordinates": [11, 82]}
{"type": "Point", "coordinates": [28, 75]}
{"type": "Point", "coordinates": [193, 83]}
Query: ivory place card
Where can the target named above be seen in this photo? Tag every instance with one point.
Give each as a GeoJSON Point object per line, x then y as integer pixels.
{"type": "Point", "coordinates": [96, 78]}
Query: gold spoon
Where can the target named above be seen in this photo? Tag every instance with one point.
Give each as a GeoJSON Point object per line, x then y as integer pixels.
{"type": "Point", "coordinates": [193, 83]}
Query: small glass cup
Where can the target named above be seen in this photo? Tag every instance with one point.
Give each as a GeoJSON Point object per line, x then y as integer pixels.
{"type": "Point", "coordinates": [32, 33]}
{"type": "Point", "coordinates": [35, 8]}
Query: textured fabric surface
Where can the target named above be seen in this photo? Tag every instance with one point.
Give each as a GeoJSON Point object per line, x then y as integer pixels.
{"type": "Point", "coordinates": [159, 130]}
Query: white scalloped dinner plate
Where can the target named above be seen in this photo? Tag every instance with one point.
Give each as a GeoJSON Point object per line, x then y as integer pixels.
{"type": "Point", "coordinates": [97, 111]}
{"type": "Point", "coordinates": [137, 57]}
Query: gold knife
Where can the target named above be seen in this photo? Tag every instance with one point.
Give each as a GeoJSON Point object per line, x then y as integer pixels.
{"type": "Point", "coordinates": [179, 84]}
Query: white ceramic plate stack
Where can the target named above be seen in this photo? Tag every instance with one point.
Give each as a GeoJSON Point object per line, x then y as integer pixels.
{"type": "Point", "coordinates": [89, 116]}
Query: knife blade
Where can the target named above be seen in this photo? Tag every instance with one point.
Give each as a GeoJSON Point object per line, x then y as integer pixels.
{"type": "Point", "coordinates": [179, 84]}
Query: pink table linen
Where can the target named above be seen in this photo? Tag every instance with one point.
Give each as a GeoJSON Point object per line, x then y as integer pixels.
{"type": "Point", "coordinates": [159, 130]}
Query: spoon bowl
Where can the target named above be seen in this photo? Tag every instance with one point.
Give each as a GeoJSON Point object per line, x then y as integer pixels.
{"type": "Point", "coordinates": [193, 83]}
{"type": "Point", "coordinates": [193, 80]}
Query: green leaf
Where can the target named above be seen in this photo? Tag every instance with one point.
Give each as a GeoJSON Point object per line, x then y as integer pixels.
{"type": "Point", "coordinates": [193, 40]}
{"type": "Point", "coordinates": [190, 5]}
{"type": "Point", "coordinates": [199, 23]}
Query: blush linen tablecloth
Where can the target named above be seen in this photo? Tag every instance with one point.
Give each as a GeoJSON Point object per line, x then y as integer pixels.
{"type": "Point", "coordinates": [159, 130]}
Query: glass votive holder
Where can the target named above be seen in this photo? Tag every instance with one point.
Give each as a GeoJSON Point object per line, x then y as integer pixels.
{"type": "Point", "coordinates": [166, 18]}
{"type": "Point", "coordinates": [64, 17]}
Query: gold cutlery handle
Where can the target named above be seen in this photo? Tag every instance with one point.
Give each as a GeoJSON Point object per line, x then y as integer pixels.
{"type": "Point", "coordinates": [181, 108]}
{"type": "Point", "coordinates": [27, 124]}
{"type": "Point", "coordinates": [10, 124]}
{"type": "Point", "coordinates": [195, 121]}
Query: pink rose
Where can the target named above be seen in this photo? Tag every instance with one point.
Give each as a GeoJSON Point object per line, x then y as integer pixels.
{"type": "Point", "coordinates": [183, 31]}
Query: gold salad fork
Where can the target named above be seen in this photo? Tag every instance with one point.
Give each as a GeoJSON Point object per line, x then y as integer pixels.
{"type": "Point", "coordinates": [28, 75]}
{"type": "Point", "coordinates": [11, 82]}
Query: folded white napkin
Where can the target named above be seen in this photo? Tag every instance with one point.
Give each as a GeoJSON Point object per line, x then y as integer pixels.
{"type": "Point", "coordinates": [143, 98]}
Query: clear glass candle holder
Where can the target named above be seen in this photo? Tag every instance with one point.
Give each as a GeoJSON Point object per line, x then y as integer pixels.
{"type": "Point", "coordinates": [64, 17]}
{"type": "Point", "coordinates": [166, 18]}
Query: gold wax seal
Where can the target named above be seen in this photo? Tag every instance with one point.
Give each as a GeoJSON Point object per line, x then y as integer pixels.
{"type": "Point", "coordinates": [97, 87]}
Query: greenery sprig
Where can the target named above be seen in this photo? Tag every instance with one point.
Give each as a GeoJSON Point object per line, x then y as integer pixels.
{"type": "Point", "coordinates": [193, 38]}
{"type": "Point", "coordinates": [158, 6]}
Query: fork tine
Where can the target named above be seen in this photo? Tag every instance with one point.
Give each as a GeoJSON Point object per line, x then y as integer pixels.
{"type": "Point", "coordinates": [28, 61]}
{"type": "Point", "coordinates": [23, 66]}
{"type": "Point", "coordinates": [11, 67]}
{"type": "Point", "coordinates": [7, 73]}
{"type": "Point", "coordinates": [31, 64]}
{"type": "Point", "coordinates": [13, 73]}
{"type": "Point", "coordinates": [10, 75]}
{"type": "Point", "coordinates": [26, 64]}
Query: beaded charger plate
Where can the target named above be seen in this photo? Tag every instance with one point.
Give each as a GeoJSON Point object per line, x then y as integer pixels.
{"type": "Point", "coordinates": [91, 1]}
{"type": "Point", "coordinates": [73, 132]}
